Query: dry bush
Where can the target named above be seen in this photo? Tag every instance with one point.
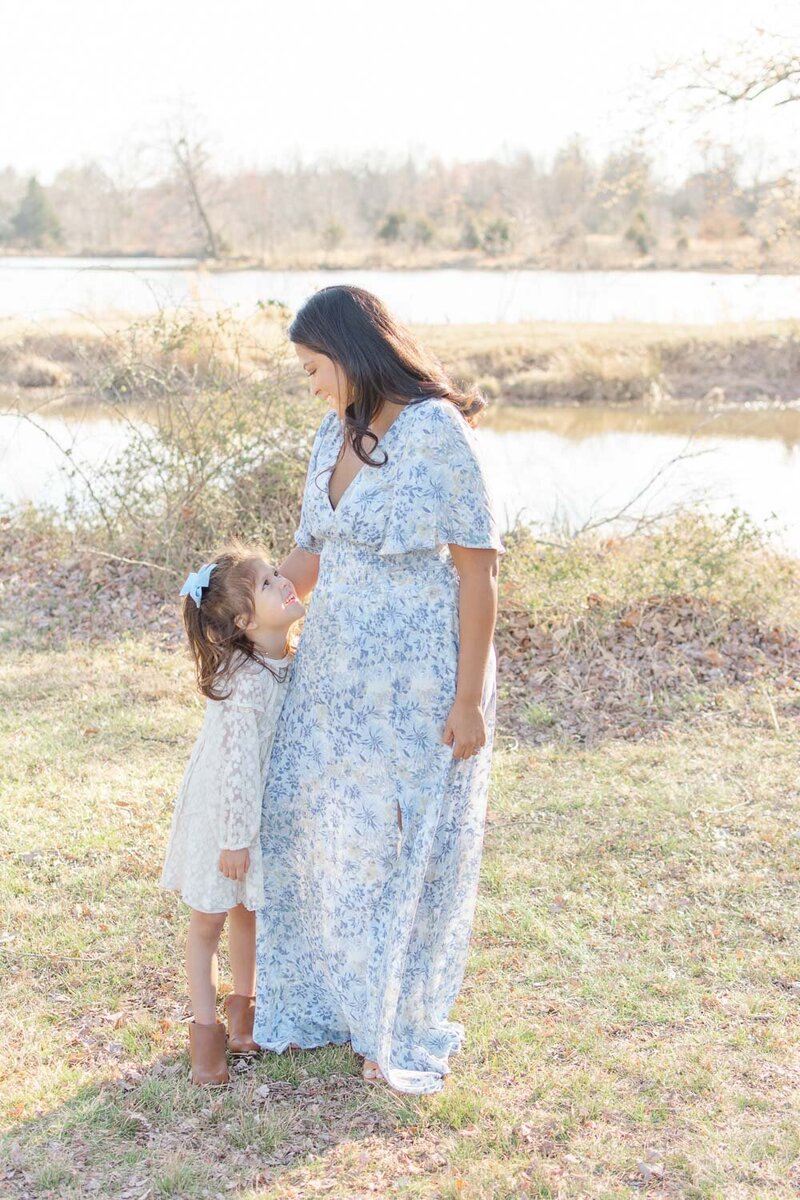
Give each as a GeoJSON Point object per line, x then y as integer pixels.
{"type": "Point", "coordinates": [33, 371]}
{"type": "Point", "coordinates": [217, 440]}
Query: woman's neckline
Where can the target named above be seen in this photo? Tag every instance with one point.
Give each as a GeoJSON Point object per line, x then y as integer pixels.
{"type": "Point", "coordinates": [342, 428]}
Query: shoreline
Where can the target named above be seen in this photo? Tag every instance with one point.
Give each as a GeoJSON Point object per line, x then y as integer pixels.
{"type": "Point", "coordinates": [370, 261]}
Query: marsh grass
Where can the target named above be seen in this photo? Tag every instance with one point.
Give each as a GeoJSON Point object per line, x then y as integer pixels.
{"type": "Point", "coordinates": [625, 363]}
{"type": "Point", "coordinates": [729, 561]}
{"type": "Point", "coordinates": [60, 364]}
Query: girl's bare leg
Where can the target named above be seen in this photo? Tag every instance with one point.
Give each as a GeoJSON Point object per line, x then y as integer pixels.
{"type": "Point", "coordinates": [242, 950]}
{"type": "Point", "coordinates": [201, 964]}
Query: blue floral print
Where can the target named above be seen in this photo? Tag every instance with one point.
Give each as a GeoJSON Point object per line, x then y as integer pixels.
{"type": "Point", "coordinates": [372, 831]}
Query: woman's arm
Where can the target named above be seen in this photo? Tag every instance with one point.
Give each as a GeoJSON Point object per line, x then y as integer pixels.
{"type": "Point", "coordinates": [465, 728]}
{"type": "Point", "coordinates": [302, 568]}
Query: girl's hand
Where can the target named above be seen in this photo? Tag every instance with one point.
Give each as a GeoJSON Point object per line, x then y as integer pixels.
{"type": "Point", "coordinates": [234, 864]}
{"type": "Point", "coordinates": [465, 729]}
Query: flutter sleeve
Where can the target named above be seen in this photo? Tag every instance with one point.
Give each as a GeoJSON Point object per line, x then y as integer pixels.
{"type": "Point", "coordinates": [304, 537]}
{"type": "Point", "coordinates": [440, 496]}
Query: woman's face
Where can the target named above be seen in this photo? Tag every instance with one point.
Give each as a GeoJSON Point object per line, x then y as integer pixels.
{"type": "Point", "coordinates": [326, 378]}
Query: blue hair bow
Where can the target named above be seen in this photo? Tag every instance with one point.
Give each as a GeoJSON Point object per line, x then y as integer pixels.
{"type": "Point", "coordinates": [196, 582]}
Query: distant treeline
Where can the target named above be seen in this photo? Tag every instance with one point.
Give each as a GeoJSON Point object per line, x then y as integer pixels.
{"type": "Point", "coordinates": [570, 211]}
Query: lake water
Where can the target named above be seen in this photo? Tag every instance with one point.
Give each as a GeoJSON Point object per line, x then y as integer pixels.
{"type": "Point", "coordinates": [562, 467]}
{"type": "Point", "coordinates": [568, 468]}
{"type": "Point", "coordinates": [46, 287]}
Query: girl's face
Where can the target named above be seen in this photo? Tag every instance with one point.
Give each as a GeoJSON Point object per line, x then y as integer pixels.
{"type": "Point", "coordinates": [275, 602]}
{"type": "Point", "coordinates": [327, 379]}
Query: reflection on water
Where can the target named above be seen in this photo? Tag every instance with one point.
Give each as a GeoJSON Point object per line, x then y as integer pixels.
{"type": "Point", "coordinates": [571, 467]}
{"type": "Point", "coordinates": [41, 458]}
{"type": "Point", "coordinates": [554, 466]}
{"type": "Point", "coordinates": [584, 421]}
{"type": "Point", "coordinates": [41, 288]}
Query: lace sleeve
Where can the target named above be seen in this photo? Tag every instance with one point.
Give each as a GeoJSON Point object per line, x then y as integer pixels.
{"type": "Point", "coordinates": [240, 778]}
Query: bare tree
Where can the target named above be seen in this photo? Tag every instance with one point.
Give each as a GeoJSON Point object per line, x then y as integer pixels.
{"type": "Point", "coordinates": [187, 147]}
{"type": "Point", "coordinates": [191, 159]}
{"type": "Point", "coordinates": [766, 65]}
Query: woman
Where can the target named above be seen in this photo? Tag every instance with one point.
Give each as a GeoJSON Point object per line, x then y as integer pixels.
{"type": "Point", "coordinates": [375, 801]}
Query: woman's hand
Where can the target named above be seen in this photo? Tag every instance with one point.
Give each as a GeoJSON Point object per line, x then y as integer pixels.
{"type": "Point", "coordinates": [302, 568]}
{"type": "Point", "coordinates": [465, 729]}
{"type": "Point", "coordinates": [234, 864]}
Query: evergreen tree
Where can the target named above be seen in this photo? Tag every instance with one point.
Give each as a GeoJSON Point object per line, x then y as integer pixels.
{"type": "Point", "coordinates": [35, 222]}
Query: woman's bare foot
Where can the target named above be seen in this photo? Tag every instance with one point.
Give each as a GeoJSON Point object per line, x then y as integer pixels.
{"type": "Point", "coordinates": [371, 1072]}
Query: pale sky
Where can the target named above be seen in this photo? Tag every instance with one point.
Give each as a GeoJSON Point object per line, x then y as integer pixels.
{"type": "Point", "coordinates": [347, 78]}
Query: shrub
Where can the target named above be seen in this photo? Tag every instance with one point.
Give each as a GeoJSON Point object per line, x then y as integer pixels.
{"type": "Point", "coordinates": [35, 223]}
{"type": "Point", "coordinates": [497, 237]}
{"type": "Point", "coordinates": [392, 226]}
{"type": "Point", "coordinates": [218, 442]}
{"type": "Point", "coordinates": [422, 232]}
{"type": "Point", "coordinates": [470, 237]}
{"type": "Point", "coordinates": [639, 234]}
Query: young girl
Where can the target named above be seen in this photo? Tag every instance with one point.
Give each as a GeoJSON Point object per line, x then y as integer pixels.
{"type": "Point", "coordinates": [237, 611]}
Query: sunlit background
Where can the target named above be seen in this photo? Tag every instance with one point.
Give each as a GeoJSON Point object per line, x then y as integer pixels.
{"type": "Point", "coordinates": [474, 167]}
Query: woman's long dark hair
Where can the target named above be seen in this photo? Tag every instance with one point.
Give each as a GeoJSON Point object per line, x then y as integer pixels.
{"type": "Point", "coordinates": [380, 359]}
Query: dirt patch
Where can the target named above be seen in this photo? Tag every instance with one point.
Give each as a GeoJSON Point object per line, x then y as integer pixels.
{"type": "Point", "coordinates": [628, 671]}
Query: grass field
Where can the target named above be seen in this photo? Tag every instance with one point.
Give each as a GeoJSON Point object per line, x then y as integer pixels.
{"type": "Point", "coordinates": [632, 992]}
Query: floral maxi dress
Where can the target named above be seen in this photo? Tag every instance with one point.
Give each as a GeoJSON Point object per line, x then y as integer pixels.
{"type": "Point", "coordinates": [372, 831]}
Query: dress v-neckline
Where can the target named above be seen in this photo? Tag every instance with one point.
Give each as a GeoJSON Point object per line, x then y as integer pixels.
{"type": "Point", "coordinates": [335, 508]}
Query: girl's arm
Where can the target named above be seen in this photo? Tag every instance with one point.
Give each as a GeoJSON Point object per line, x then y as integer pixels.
{"type": "Point", "coordinates": [302, 567]}
{"type": "Point", "coordinates": [240, 779]}
{"type": "Point", "coordinates": [465, 728]}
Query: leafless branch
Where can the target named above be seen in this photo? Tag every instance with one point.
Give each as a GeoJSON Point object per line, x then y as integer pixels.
{"type": "Point", "coordinates": [67, 452]}
{"type": "Point", "coordinates": [746, 73]}
{"type": "Point", "coordinates": [622, 512]}
{"type": "Point", "coordinates": [134, 562]}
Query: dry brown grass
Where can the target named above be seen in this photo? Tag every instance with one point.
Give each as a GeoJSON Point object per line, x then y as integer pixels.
{"type": "Point", "coordinates": [631, 998]}
{"type": "Point", "coordinates": [626, 363]}
{"type": "Point", "coordinates": [62, 363]}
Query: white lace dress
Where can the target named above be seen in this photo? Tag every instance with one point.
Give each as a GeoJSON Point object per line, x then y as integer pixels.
{"type": "Point", "coordinates": [219, 802]}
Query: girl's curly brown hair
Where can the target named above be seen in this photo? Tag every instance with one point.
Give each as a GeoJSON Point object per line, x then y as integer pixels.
{"type": "Point", "coordinates": [219, 646]}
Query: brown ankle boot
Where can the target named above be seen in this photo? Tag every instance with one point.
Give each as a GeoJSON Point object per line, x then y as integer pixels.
{"type": "Point", "coordinates": [241, 1011]}
{"type": "Point", "coordinates": [207, 1052]}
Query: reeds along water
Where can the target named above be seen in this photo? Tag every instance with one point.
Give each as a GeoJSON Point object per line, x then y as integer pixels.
{"type": "Point", "coordinates": [167, 398]}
